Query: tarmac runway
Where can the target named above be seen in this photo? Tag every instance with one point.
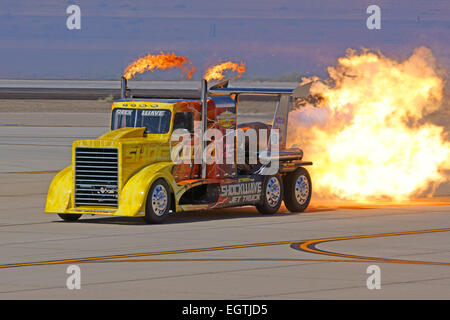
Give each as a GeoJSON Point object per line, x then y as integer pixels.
{"type": "Point", "coordinates": [235, 253]}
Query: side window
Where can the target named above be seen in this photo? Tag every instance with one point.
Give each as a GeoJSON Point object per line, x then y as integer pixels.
{"type": "Point", "coordinates": [183, 120]}
{"type": "Point", "coordinates": [123, 118]}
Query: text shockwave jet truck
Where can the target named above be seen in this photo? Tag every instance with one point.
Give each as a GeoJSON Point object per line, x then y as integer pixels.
{"type": "Point", "coordinates": [129, 171]}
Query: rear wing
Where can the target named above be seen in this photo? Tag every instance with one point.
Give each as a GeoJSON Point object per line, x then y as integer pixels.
{"type": "Point", "coordinates": [222, 88]}
{"type": "Point", "coordinates": [284, 105]}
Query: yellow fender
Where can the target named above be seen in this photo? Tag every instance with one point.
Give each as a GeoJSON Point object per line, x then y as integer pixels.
{"type": "Point", "coordinates": [60, 192]}
{"type": "Point", "coordinates": [133, 196]}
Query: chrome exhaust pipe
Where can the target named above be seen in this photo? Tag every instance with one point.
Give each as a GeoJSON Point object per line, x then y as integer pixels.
{"type": "Point", "coordinates": [123, 88]}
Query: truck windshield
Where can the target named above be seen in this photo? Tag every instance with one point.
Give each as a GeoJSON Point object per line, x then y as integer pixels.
{"type": "Point", "coordinates": [154, 120]}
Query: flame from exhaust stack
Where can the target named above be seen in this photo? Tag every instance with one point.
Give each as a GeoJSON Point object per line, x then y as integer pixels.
{"type": "Point", "coordinates": [161, 61]}
{"type": "Point", "coordinates": [216, 72]}
{"type": "Point", "coordinates": [368, 138]}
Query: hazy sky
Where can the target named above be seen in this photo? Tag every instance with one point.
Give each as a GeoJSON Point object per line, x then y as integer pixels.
{"type": "Point", "coordinates": [272, 37]}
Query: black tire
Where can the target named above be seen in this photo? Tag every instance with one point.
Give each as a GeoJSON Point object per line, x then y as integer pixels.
{"type": "Point", "coordinates": [69, 217]}
{"type": "Point", "coordinates": [268, 205]}
{"type": "Point", "coordinates": [297, 196]}
{"type": "Point", "coordinates": [157, 209]}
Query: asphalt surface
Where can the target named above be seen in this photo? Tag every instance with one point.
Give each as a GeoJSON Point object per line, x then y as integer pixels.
{"type": "Point", "coordinates": [236, 253]}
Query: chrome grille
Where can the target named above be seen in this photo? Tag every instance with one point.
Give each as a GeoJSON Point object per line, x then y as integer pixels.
{"type": "Point", "coordinates": [96, 176]}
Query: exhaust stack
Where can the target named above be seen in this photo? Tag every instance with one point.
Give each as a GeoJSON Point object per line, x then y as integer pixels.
{"type": "Point", "coordinates": [204, 98]}
{"type": "Point", "coordinates": [123, 88]}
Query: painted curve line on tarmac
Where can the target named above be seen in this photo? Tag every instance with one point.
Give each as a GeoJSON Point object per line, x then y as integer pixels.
{"type": "Point", "coordinates": [303, 245]}
{"type": "Point", "coordinates": [310, 246]}
{"type": "Point", "coordinates": [134, 255]}
{"type": "Point", "coordinates": [31, 172]}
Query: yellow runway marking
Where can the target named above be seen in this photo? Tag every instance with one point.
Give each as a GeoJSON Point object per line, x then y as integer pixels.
{"type": "Point", "coordinates": [304, 245]}
{"type": "Point", "coordinates": [134, 255]}
{"type": "Point", "coordinates": [310, 246]}
{"type": "Point", "coordinates": [33, 172]}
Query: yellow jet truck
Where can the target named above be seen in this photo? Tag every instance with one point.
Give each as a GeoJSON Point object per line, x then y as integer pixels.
{"type": "Point", "coordinates": [130, 171]}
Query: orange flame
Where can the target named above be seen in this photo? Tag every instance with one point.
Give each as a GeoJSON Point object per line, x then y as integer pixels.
{"type": "Point", "coordinates": [216, 72]}
{"type": "Point", "coordinates": [161, 61]}
{"type": "Point", "coordinates": [368, 138]}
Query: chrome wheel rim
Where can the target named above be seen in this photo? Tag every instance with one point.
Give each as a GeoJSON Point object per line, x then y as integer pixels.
{"type": "Point", "coordinates": [159, 200]}
{"type": "Point", "coordinates": [301, 189]}
{"type": "Point", "coordinates": [273, 192]}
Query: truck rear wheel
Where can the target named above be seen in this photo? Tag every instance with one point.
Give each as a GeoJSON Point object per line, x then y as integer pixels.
{"type": "Point", "coordinates": [272, 195]}
{"type": "Point", "coordinates": [69, 217]}
{"type": "Point", "coordinates": [158, 202]}
{"type": "Point", "coordinates": [297, 190]}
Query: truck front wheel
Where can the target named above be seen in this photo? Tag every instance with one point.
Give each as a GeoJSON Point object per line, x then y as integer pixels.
{"type": "Point", "coordinates": [158, 202]}
{"type": "Point", "coordinates": [297, 190]}
{"type": "Point", "coordinates": [272, 195]}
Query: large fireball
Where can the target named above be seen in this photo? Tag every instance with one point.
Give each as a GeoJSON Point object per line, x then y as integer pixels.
{"type": "Point", "coordinates": [368, 138]}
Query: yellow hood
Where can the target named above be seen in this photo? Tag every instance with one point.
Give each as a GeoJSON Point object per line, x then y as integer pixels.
{"type": "Point", "coordinates": [123, 133]}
